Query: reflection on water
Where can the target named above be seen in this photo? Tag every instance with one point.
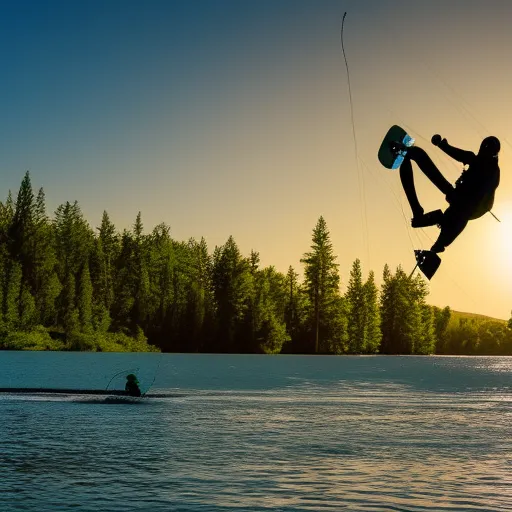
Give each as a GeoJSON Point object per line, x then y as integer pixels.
{"type": "Point", "coordinates": [358, 434]}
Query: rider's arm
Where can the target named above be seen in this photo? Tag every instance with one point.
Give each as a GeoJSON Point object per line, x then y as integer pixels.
{"type": "Point", "coordinates": [466, 157]}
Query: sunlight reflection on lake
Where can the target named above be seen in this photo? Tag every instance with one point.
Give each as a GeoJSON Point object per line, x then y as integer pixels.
{"type": "Point", "coordinates": [254, 433]}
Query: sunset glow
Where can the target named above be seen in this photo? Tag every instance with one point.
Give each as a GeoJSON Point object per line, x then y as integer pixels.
{"type": "Point", "coordinates": [233, 118]}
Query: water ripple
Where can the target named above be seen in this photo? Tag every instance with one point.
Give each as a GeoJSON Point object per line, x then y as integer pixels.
{"type": "Point", "coordinates": [325, 445]}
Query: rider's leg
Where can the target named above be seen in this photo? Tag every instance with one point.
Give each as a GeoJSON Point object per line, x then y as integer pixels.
{"type": "Point", "coordinates": [429, 169]}
{"type": "Point", "coordinates": [453, 225]}
{"type": "Point", "coordinates": [433, 173]}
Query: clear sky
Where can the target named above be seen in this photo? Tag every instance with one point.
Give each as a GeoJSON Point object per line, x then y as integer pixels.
{"type": "Point", "coordinates": [232, 117]}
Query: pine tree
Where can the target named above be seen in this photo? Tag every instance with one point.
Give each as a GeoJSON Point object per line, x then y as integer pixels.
{"type": "Point", "coordinates": [69, 311]}
{"type": "Point", "coordinates": [6, 217]}
{"type": "Point", "coordinates": [232, 285]}
{"type": "Point", "coordinates": [254, 261]}
{"type": "Point", "coordinates": [26, 242]}
{"type": "Point", "coordinates": [388, 311]}
{"type": "Point", "coordinates": [141, 305]}
{"type": "Point", "coordinates": [6, 214]}
{"type": "Point", "coordinates": [74, 241]}
{"type": "Point", "coordinates": [205, 283]}
{"type": "Point", "coordinates": [411, 314]}
{"type": "Point", "coordinates": [84, 300]}
{"type": "Point", "coordinates": [322, 286]}
{"type": "Point", "coordinates": [423, 335]}
{"type": "Point", "coordinates": [28, 313]}
{"type": "Point", "coordinates": [21, 228]}
{"type": "Point", "coordinates": [428, 336]}
{"type": "Point", "coordinates": [269, 311]}
{"type": "Point", "coordinates": [406, 328]}
{"type": "Point", "coordinates": [108, 248]}
{"type": "Point", "coordinates": [250, 325]}
{"type": "Point", "coordinates": [9, 204]}
{"type": "Point", "coordinates": [441, 321]}
{"type": "Point", "coordinates": [373, 332]}
{"type": "Point", "coordinates": [291, 312]}
{"type": "Point", "coordinates": [131, 307]}
{"type": "Point", "coordinates": [138, 227]}
{"type": "Point", "coordinates": [296, 312]}
{"type": "Point", "coordinates": [161, 266]}
{"type": "Point", "coordinates": [124, 286]}
{"type": "Point", "coordinates": [184, 290]}
{"type": "Point", "coordinates": [102, 270]}
{"type": "Point", "coordinates": [12, 296]}
{"type": "Point", "coordinates": [3, 289]}
{"type": "Point", "coordinates": [200, 303]}
{"type": "Point", "coordinates": [43, 280]}
{"type": "Point", "coordinates": [357, 310]}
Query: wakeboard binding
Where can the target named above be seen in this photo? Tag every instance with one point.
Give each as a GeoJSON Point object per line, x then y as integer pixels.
{"type": "Point", "coordinates": [427, 219]}
{"type": "Point", "coordinates": [428, 262]}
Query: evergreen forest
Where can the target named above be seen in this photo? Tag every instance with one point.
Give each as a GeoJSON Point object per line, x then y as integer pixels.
{"type": "Point", "coordinates": [67, 286]}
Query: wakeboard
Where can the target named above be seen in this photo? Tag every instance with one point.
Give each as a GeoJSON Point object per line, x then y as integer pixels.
{"type": "Point", "coordinates": [391, 154]}
{"type": "Point", "coordinates": [394, 147]}
{"type": "Point", "coordinates": [428, 262]}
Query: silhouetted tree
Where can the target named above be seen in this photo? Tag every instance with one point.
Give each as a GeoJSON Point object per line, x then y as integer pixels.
{"type": "Point", "coordinates": [372, 312]}
{"type": "Point", "coordinates": [322, 286]}
{"type": "Point", "coordinates": [232, 286]}
{"type": "Point", "coordinates": [441, 321]}
{"type": "Point", "coordinates": [106, 291]}
{"type": "Point", "coordinates": [357, 315]}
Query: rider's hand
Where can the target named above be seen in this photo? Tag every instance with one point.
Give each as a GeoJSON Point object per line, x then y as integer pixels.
{"type": "Point", "coordinates": [436, 140]}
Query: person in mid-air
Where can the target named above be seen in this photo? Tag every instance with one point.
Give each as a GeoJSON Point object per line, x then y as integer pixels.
{"type": "Point", "coordinates": [472, 196]}
{"type": "Point", "coordinates": [132, 385]}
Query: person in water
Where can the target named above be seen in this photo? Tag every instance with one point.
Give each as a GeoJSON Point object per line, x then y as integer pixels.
{"type": "Point", "coordinates": [470, 198]}
{"type": "Point", "coordinates": [132, 385]}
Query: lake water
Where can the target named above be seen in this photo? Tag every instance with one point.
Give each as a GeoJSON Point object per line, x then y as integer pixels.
{"type": "Point", "coordinates": [258, 433]}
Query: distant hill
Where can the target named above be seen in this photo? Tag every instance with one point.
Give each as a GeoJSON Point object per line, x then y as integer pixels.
{"type": "Point", "coordinates": [456, 315]}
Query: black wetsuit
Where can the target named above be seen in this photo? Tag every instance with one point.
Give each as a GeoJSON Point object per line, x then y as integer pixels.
{"type": "Point", "coordinates": [132, 388]}
{"type": "Point", "coordinates": [474, 190]}
{"type": "Point", "coordinates": [472, 197]}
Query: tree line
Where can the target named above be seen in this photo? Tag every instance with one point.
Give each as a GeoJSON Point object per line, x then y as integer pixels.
{"type": "Point", "coordinates": [65, 286]}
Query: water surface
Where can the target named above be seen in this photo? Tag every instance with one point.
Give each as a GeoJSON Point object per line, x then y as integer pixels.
{"type": "Point", "coordinates": [254, 433]}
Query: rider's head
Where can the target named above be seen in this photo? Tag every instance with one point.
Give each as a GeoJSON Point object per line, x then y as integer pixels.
{"type": "Point", "coordinates": [490, 147]}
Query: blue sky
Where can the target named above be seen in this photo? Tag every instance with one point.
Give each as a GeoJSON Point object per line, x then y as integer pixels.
{"type": "Point", "coordinates": [232, 118]}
